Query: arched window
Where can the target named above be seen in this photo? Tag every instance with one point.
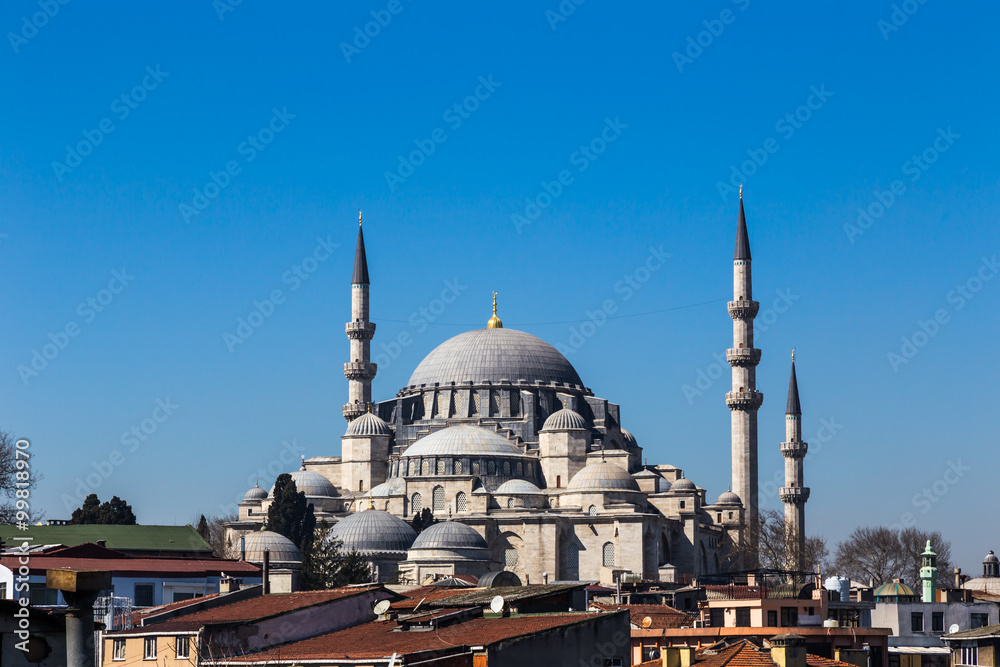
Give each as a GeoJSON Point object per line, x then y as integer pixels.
{"type": "Point", "coordinates": [510, 503]}
{"type": "Point", "coordinates": [506, 468]}
{"type": "Point", "coordinates": [558, 481]}
{"type": "Point", "coordinates": [387, 506]}
{"type": "Point", "coordinates": [415, 503]}
{"type": "Point", "coordinates": [571, 561]}
{"type": "Point", "coordinates": [440, 466]}
{"type": "Point", "coordinates": [475, 467]}
{"type": "Point", "coordinates": [438, 500]}
{"type": "Point", "coordinates": [491, 467]}
{"type": "Point", "coordinates": [519, 471]}
{"type": "Point", "coordinates": [461, 502]}
{"type": "Point", "coordinates": [361, 485]}
{"type": "Point", "coordinates": [509, 558]}
{"type": "Point", "coordinates": [592, 511]}
{"type": "Point", "coordinates": [608, 553]}
{"type": "Point", "coordinates": [425, 467]}
{"type": "Point", "coordinates": [458, 467]}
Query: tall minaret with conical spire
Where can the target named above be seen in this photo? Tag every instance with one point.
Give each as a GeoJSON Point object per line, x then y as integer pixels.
{"type": "Point", "coordinates": [793, 493]}
{"type": "Point", "coordinates": [744, 400]}
{"type": "Point", "coordinates": [359, 371]}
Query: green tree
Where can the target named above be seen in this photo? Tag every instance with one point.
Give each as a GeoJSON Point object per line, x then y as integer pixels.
{"type": "Point", "coordinates": [326, 565]}
{"type": "Point", "coordinates": [203, 529]}
{"type": "Point", "coordinates": [87, 513]}
{"type": "Point", "coordinates": [114, 512]}
{"type": "Point", "coordinates": [290, 515]}
{"type": "Point", "coordinates": [423, 520]}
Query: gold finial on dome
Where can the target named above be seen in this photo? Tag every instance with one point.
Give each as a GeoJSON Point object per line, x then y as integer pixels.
{"type": "Point", "coordinates": [793, 354]}
{"type": "Point", "coordinates": [494, 322]}
{"type": "Point", "coordinates": [371, 500]}
{"type": "Point", "coordinates": [359, 216]}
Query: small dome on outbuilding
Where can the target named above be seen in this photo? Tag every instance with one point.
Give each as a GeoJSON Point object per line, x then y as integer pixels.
{"type": "Point", "coordinates": [515, 487]}
{"type": "Point", "coordinates": [683, 485]}
{"type": "Point", "coordinates": [565, 420]}
{"type": "Point", "coordinates": [449, 535]}
{"type": "Point", "coordinates": [895, 591]}
{"type": "Point", "coordinates": [255, 495]}
{"type": "Point", "coordinates": [280, 548]}
{"type": "Point", "coordinates": [603, 476]}
{"type": "Point", "coordinates": [312, 484]}
{"type": "Point", "coordinates": [629, 439]}
{"type": "Point", "coordinates": [367, 425]}
{"type": "Point", "coordinates": [729, 498]}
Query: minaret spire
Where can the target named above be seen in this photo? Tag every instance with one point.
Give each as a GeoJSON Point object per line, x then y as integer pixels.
{"type": "Point", "coordinates": [744, 400]}
{"type": "Point", "coordinates": [793, 494]}
{"type": "Point", "coordinates": [359, 370]}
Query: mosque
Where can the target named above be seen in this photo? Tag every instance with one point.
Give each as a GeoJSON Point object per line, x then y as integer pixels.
{"type": "Point", "coordinates": [525, 468]}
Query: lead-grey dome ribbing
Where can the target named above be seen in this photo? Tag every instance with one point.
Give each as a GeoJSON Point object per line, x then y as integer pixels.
{"type": "Point", "coordinates": [565, 420]}
{"type": "Point", "coordinates": [603, 476]}
{"type": "Point", "coordinates": [449, 535]}
{"type": "Point", "coordinates": [462, 440]}
{"type": "Point", "coordinates": [367, 425]}
{"type": "Point", "coordinates": [373, 532]}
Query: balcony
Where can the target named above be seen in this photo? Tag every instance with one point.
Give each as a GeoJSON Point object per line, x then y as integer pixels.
{"type": "Point", "coordinates": [359, 370]}
{"type": "Point", "coordinates": [744, 400]}
{"type": "Point", "coordinates": [743, 356]}
{"type": "Point", "coordinates": [794, 450]}
{"type": "Point", "coordinates": [794, 494]}
{"type": "Point", "coordinates": [360, 330]}
{"type": "Point", "coordinates": [743, 309]}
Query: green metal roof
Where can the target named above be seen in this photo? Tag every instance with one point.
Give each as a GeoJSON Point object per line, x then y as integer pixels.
{"type": "Point", "coordinates": [146, 538]}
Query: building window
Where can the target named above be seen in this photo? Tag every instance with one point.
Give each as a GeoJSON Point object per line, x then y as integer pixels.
{"type": "Point", "coordinates": [510, 503]}
{"type": "Point", "coordinates": [772, 618]}
{"type": "Point", "coordinates": [440, 466]}
{"type": "Point", "coordinates": [742, 617]}
{"type": "Point", "coordinates": [682, 504]}
{"type": "Point", "coordinates": [118, 652]}
{"type": "Point", "coordinates": [506, 468]}
{"type": "Point", "coordinates": [558, 481]}
{"type": "Point", "coordinates": [181, 647]}
{"type": "Point", "coordinates": [491, 467]}
{"type": "Point", "coordinates": [937, 621]}
{"type": "Point", "coordinates": [980, 621]}
{"type": "Point", "coordinates": [608, 554]}
{"type": "Point", "coordinates": [475, 467]}
{"type": "Point", "coordinates": [387, 506]}
{"type": "Point", "coordinates": [494, 402]}
{"type": "Point", "coordinates": [461, 502]}
{"type": "Point", "coordinates": [425, 467]}
{"type": "Point", "coordinates": [789, 617]}
{"type": "Point", "coordinates": [519, 471]}
{"type": "Point", "coordinates": [917, 621]}
{"type": "Point", "coordinates": [39, 595]}
{"type": "Point", "coordinates": [361, 485]}
{"type": "Point", "coordinates": [592, 510]}
{"type": "Point", "coordinates": [515, 404]}
{"type": "Point", "coordinates": [438, 500]}
{"type": "Point", "coordinates": [415, 503]}
{"type": "Point", "coordinates": [149, 649]}
{"type": "Point", "coordinates": [458, 467]}
{"type": "Point", "coordinates": [717, 617]}
{"type": "Point", "coordinates": [509, 558]}
{"type": "Point", "coordinates": [969, 655]}
{"type": "Point", "coordinates": [414, 467]}
{"type": "Point", "coordinates": [730, 515]}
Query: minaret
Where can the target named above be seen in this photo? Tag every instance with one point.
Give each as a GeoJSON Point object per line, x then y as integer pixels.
{"type": "Point", "coordinates": [744, 399]}
{"type": "Point", "coordinates": [928, 573]}
{"type": "Point", "coordinates": [359, 371]}
{"type": "Point", "coordinates": [793, 493]}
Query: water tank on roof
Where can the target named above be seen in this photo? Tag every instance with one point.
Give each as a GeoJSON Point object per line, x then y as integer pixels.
{"type": "Point", "coordinates": [841, 585]}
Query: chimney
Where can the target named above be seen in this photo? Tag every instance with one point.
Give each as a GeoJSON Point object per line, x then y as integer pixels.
{"type": "Point", "coordinates": [267, 571]}
{"type": "Point", "coordinates": [788, 650]}
{"type": "Point", "coordinates": [677, 656]}
{"type": "Point", "coordinates": [102, 543]}
{"type": "Point", "coordinates": [229, 584]}
{"type": "Point", "coordinates": [958, 577]}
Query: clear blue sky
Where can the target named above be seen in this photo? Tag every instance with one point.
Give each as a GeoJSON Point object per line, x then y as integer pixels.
{"type": "Point", "coordinates": [336, 119]}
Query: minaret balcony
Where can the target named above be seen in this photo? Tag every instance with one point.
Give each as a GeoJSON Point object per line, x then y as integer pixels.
{"type": "Point", "coordinates": [794, 450]}
{"type": "Point", "coordinates": [744, 400]}
{"type": "Point", "coordinates": [743, 356]}
{"type": "Point", "coordinates": [794, 494]}
{"type": "Point", "coordinates": [741, 310]}
{"type": "Point", "coordinates": [359, 370]}
{"type": "Point", "coordinates": [360, 330]}
{"type": "Point", "coordinates": [354, 410]}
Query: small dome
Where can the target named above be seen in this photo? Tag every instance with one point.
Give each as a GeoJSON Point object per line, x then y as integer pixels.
{"type": "Point", "coordinates": [462, 440]}
{"type": "Point", "coordinates": [683, 485]}
{"type": "Point", "coordinates": [373, 532]}
{"type": "Point", "coordinates": [565, 420]}
{"type": "Point", "coordinates": [368, 424]}
{"type": "Point", "coordinates": [280, 548]}
{"type": "Point", "coordinates": [603, 475]}
{"type": "Point", "coordinates": [991, 558]}
{"type": "Point", "coordinates": [312, 484]}
{"type": "Point", "coordinates": [729, 498]}
{"type": "Point", "coordinates": [257, 494]}
{"type": "Point", "coordinates": [514, 487]}
{"type": "Point", "coordinates": [391, 487]}
{"type": "Point", "coordinates": [449, 535]}
{"type": "Point", "coordinates": [894, 592]}
{"type": "Point", "coordinates": [629, 439]}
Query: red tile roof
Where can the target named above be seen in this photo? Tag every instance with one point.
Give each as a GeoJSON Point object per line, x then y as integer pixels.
{"type": "Point", "coordinates": [811, 661]}
{"type": "Point", "coordinates": [660, 615]}
{"type": "Point", "coordinates": [428, 594]}
{"type": "Point", "coordinates": [380, 638]}
{"type": "Point", "coordinates": [743, 653]}
{"type": "Point", "coordinates": [252, 609]}
{"type": "Point", "coordinates": [820, 661]}
{"type": "Point", "coordinates": [139, 614]}
{"type": "Point", "coordinates": [93, 557]}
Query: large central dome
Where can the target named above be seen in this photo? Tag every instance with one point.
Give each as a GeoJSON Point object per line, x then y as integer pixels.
{"type": "Point", "coordinates": [492, 355]}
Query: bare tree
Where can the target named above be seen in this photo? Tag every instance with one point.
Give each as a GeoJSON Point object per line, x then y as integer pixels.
{"type": "Point", "coordinates": [17, 473]}
{"type": "Point", "coordinates": [214, 532]}
{"type": "Point", "coordinates": [882, 554]}
{"type": "Point", "coordinates": [770, 548]}
{"type": "Point", "coordinates": [913, 542]}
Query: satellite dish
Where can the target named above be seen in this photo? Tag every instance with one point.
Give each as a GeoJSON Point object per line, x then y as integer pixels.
{"type": "Point", "coordinates": [646, 622]}
{"type": "Point", "coordinates": [382, 606]}
{"type": "Point", "coordinates": [496, 605]}
{"type": "Point", "coordinates": [954, 628]}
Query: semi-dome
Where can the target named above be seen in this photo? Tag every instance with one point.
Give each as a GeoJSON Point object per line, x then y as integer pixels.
{"type": "Point", "coordinates": [683, 484]}
{"type": "Point", "coordinates": [462, 440]}
{"type": "Point", "coordinates": [368, 425]}
{"type": "Point", "coordinates": [280, 548]}
{"type": "Point", "coordinates": [492, 355]}
{"type": "Point", "coordinates": [449, 535]}
{"type": "Point", "coordinates": [729, 498]}
{"type": "Point", "coordinates": [391, 487]}
{"type": "Point", "coordinates": [603, 476]}
{"type": "Point", "coordinates": [312, 484]}
{"type": "Point", "coordinates": [514, 487]}
{"type": "Point", "coordinates": [565, 420]}
{"type": "Point", "coordinates": [373, 532]}
{"type": "Point", "coordinates": [255, 495]}
{"type": "Point", "coordinates": [629, 439]}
